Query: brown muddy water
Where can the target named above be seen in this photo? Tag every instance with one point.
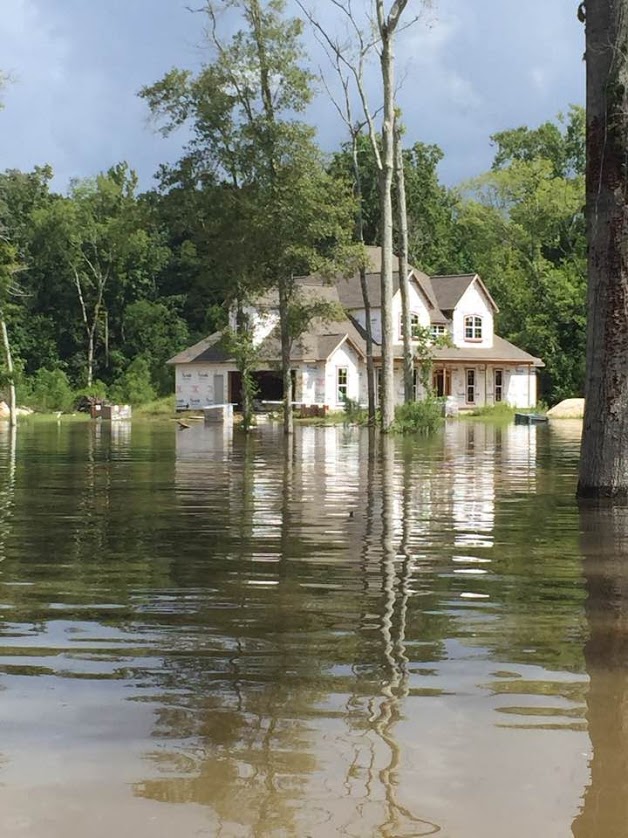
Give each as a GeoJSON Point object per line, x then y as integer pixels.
{"type": "Point", "coordinates": [202, 635]}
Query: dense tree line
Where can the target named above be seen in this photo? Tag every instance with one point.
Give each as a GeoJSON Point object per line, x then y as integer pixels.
{"type": "Point", "coordinates": [101, 284]}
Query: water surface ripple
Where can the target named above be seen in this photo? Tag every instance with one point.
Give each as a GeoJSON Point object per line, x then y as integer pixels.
{"type": "Point", "coordinates": [202, 634]}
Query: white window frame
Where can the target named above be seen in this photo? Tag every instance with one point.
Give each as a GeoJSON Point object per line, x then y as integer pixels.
{"type": "Point", "coordinates": [342, 387]}
{"type": "Point", "coordinates": [470, 387]}
{"type": "Point", "coordinates": [473, 326]}
{"type": "Point", "coordinates": [415, 325]}
{"type": "Point", "coordinates": [415, 384]}
{"type": "Point", "coordinates": [498, 389]}
{"type": "Point", "coordinates": [438, 331]}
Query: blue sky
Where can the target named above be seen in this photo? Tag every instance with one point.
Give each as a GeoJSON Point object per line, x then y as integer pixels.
{"type": "Point", "coordinates": [470, 67]}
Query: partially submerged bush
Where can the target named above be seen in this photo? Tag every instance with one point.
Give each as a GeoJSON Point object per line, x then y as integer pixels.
{"type": "Point", "coordinates": [501, 410]}
{"type": "Point", "coordinates": [424, 417]}
{"type": "Point", "coordinates": [354, 413]}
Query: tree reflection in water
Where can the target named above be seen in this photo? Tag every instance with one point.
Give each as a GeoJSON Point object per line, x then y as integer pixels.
{"type": "Point", "coordinates": [400, 821]}
{"type": "Point", "coordinates": [239, 728]}
{"type": "Point", "coordinates": [604, 539]}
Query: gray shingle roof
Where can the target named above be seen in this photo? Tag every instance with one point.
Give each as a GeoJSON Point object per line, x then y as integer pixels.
{"type": "Point", "coordinates": [502, 350]}
{"type": "Point", "coordinates": [317, 344]}
{"type": "Point", "coordinates": [448, 290]}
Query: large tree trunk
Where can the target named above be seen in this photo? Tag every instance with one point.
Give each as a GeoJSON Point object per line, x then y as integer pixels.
{"type": "Point", "coordinates": [8, 360]}
{"type": "Point", "coordinates": [604, 460]}
{"type": "Point", "coordinates": [385, 185]}
{"type": "Point", "coordinates": [404, 285]}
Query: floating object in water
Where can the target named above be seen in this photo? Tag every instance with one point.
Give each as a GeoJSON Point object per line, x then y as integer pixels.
{"type": "Point", "coordinates": [529, 418]}
{"type": "Point", "coordinates": [182, 425]}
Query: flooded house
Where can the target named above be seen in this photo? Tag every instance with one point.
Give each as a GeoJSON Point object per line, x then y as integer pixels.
{"type": "Point", "coordinates": [474, 367]}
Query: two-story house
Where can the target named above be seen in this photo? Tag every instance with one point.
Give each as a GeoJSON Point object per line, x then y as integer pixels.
{"type": "Point", "coordinates": [475, 368]}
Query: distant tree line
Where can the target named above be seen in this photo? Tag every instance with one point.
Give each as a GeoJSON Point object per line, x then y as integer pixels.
{"type": "Point", "coordinates": [101, 285]}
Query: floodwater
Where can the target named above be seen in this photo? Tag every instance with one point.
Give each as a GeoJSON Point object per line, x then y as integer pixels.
{"type": "Point", "coordinates": [202, 635]}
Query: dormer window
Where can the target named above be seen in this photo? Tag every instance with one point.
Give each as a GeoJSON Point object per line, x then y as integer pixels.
{"type": "Point", "coordinates": [473, 328]}
{"type": "Point", "coordinates": [415, 326]}
{"type": "Point", "coordinates": [438, 331]}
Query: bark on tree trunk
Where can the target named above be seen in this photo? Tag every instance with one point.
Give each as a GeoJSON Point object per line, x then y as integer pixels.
{"type": "Point", "coordinates": [368, 326]}
{"type": "Point", "coordinates": [604, 459]}
{"type": "Point", "coordinates": [404, 285]}
{"type": "Point", "coordinates": [286, 346]}
{"type": "Point", "coordinates": [385, 184]}
{"type": "Point", "coordinates": [370, 367]}
{"type": "Point", "coordinates": [90, 357]}
{"type": "Point", "coordinates": [8, 360]}
{"type": "Point", "coordinates": [244, 367]}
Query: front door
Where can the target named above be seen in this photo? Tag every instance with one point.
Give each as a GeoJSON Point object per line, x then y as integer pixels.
{"type": "Point", "coordinates": [219, 389]}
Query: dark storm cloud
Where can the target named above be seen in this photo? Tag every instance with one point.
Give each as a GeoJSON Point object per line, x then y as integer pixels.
{"type": "Point", "coordinates": [469, 68]}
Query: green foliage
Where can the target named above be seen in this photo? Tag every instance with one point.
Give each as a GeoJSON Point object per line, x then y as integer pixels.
{"type": "Point", "coordinates": [156, 409]}
{"type": "Point", "coordinates": [155, 331]}
{"type": "Point", "coordinates": [98, 390]}
{"type": "Point", "coordinates": [423, 417]}
{"type": "Point", "coordinates": [134, 386]}
{"type": "Point", "coordinates": [432, 232]}
{"type": "Point", "coordinates": [522, 228]}
{"type": "Point", "coordinates": [47, 390]}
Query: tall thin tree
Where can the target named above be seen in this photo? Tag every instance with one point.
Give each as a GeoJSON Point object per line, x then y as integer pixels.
{"type": "Point", "coordinates": [404, 281]}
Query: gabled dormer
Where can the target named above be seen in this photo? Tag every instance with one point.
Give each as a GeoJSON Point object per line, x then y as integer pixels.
{"type": "Point", "coordinates": [467, 303]}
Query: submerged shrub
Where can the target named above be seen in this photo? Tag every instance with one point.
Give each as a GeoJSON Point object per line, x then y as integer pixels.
{"type": "Point", "coordinates": [424, 417]}
{"type": "Point", "coordinates": [354, 414]}
{"type": "Point", "coordinates": [501, 410]}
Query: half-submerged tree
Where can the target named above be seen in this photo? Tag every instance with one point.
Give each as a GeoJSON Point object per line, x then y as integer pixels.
{"type": "Point", "coordinates": [242, 110]}
{"type": "Point", "coordinates": [604, 459]}
{"type": "Point", "coordinates": [382, 39]}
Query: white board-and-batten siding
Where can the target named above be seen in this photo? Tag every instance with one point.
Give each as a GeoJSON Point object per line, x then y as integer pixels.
{"type": "Point", "coordinates": [344, 357]}
{"type": "Point", "coordinates": [473, 303]}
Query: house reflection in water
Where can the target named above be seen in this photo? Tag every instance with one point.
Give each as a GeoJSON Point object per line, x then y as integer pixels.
{"type": "Point", "coordinates": [340, 661]}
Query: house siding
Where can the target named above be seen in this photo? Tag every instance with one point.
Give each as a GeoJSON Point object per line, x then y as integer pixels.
{"type": "Point", "coordinates": [417, 306]}
{"type": "Point", "coordinates": [194, 384]}
{"type": "Point", "coordinates": [473, 303]}
{"type": "Point", "coordinates": [343, 357]}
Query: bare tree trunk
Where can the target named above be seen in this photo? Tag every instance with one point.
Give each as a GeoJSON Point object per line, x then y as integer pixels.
{"type": "Point", "coordinates": [404, 285]}
{"type": "Point", "coordinates": [90, 357]}
{"type": "Point", "coordinates": [368, 326]}
{"type": "Point", "coordinates": [385, 185]}
{"type": "Point", "coordinates": [8, 360]}
{"type": "Point", "coordinates": [604, 459]}
{"type": "Point", "coordinates": [370, 367]}
{"type": "Point", "coordinates": [286, 347]}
